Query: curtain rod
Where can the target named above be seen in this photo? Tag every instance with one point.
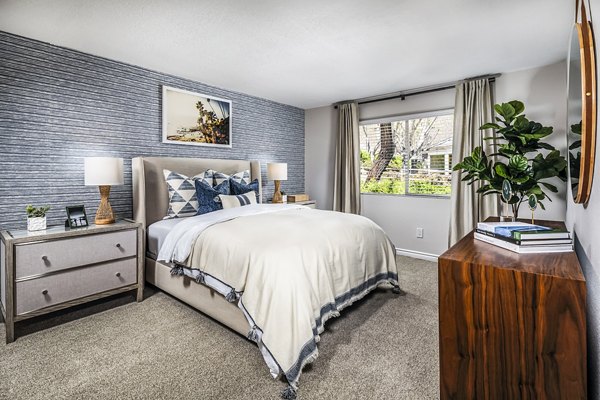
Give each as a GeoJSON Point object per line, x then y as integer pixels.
{"type": "Point", "coordinates": [413, 92]}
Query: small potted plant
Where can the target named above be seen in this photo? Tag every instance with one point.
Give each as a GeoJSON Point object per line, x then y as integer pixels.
{"type": "Point", "coordinates": [36, 217]}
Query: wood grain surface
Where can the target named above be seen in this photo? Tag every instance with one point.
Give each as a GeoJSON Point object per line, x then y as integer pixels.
{"type": "Point", "coordinates": [512, 326]}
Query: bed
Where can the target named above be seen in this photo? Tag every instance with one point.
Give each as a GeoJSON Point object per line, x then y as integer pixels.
{"type": "Point", "coordinates": [275, 289]}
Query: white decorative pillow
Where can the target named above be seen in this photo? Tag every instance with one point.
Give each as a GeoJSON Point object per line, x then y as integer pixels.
{"type": "Point", "coordinates": [238, 200]}
{"type": "Point", "coordinates": [183, 201]}
{"type": "Point", "coordinates": [239, 177]}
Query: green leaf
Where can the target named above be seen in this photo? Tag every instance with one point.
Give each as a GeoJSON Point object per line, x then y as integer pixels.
{"type": "Point", "coordinates": [518, 163]}
{"type": "Point", "coordinates": [521, 123]}
{"type": "Point", "coordinates": [518, 106]}
{"type": "Point", "coordinates": [546, 146]}
{"type": "Point", "coordinates": [502, 170]}
{"type": "Point", "coordinates": [550, 187]}
{"type": "Point", "coordinates": [498, 109]}
{"type": "Point", "coordinates": [508, 111]}
{"type": "Point", "coordinates": [522, 179]}
{"type": "Point", "coordinates": [458, 167]}
{"type": "Point", "coordinates": [535, 190]}
{"type": "Point", "coordinates": [575, 145]}
{"type": "Point", "coordinates": [539, 133]}
{"type": "Point", "coordinates": [490, 125]}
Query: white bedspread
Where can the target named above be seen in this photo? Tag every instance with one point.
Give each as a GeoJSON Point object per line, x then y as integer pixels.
{"type": "Point", "coordinates": [290, 268]}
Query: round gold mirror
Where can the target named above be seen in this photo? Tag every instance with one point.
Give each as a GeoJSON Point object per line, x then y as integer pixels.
{"type": "Point", "coordinates": [581, 106]}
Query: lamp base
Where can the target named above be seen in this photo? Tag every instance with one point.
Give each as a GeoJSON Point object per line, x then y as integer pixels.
{"type": "Point", "coordinates": [104, 221]}
{"type": "Point", "coordinates": [104, 215]}
{"type": "Point", "coordinates": [277, 197]}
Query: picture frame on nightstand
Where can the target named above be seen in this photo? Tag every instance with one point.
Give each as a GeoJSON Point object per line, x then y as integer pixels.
{"type": "Point", "coordinates": [76, 217]}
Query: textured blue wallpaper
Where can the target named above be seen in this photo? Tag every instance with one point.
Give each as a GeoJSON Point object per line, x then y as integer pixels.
{"type": "Point", "coordinates": [58, 106]}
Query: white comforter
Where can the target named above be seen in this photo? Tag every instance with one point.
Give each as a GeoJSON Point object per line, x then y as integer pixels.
{"type": "Point", "coordinates": [290, 268]}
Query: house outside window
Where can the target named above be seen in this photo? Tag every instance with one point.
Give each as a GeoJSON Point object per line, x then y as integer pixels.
{"type": "Point", "coordinates": [407, 155]}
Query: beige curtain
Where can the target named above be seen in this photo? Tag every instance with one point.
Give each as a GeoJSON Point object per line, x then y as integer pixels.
{"type": "Point", "coordinates": [346, 192]}
{"type": "Point", "coordinates": [473, 108]}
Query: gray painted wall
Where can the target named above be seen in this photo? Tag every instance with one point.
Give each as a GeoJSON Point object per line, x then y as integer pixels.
{"type": "Point", "coordinates": [585, 222]}
{"type": "Point", "coordinates": [58, 106]}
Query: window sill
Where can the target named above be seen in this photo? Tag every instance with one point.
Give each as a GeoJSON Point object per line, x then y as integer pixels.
{"type": "Point", "coordinates": [426, 196]}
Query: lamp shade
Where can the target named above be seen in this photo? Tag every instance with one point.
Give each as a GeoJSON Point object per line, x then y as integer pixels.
{"type": "Point", "coordinates": [103, 171]}
{"type": "Point", "coordinates": [277, 171]}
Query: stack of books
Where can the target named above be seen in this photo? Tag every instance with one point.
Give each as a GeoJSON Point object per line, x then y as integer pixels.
{"type": "Point", "coordinates": [522, 238]}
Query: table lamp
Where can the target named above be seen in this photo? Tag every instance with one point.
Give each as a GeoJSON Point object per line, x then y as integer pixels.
{"type": "Point", "coordinates": [103, 172]}
{"type": "Point", "coordinates": [277, 172]}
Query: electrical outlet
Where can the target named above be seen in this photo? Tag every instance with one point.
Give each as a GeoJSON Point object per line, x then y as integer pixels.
{"type": "Point", "coordinates": [420, 233]}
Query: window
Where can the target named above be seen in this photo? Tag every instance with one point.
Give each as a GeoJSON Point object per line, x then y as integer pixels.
{"type": "Point", "coordinates": [407, 155]}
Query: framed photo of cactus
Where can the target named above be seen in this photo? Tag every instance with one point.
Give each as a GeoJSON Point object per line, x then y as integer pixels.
{"type": "Point", "coordinates": [195, 119]}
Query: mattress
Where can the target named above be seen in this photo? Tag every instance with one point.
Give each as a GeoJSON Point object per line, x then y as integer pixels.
{"type": "Point", "coordinates": [157, 233]}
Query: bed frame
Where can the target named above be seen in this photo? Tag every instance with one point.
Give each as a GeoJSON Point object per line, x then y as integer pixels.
{"type": "Point", "coordinates": [150, 203]}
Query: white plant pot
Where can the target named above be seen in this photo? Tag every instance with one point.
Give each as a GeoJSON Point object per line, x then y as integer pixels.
{"type": "Point", "coordinates": [36, 224]}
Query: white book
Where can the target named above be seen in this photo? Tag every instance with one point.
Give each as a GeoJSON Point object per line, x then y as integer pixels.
{"type": "Point", "coordinates": [523, 249]}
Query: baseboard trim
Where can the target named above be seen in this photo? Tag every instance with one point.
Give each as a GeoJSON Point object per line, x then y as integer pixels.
{"type": "Point", "coordinates": [417, 254]}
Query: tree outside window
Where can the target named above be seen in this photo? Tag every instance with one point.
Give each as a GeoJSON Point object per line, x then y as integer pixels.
{"type": "Point", "coordinates": [407, 155]}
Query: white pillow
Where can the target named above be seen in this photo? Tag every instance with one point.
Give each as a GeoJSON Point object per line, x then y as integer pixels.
{"type": "Point", "coordinates": [238, 200]}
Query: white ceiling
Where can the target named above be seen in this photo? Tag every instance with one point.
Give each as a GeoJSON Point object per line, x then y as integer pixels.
{"type": "Point", "coordinates": [306, 53]}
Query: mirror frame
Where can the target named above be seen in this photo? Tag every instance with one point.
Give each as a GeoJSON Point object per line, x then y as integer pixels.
{"type": "Point", "coordinates": [588, 105]}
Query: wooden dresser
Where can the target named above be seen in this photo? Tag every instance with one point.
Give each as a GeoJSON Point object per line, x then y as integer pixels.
{"type": "Point", "coordinates": [512, 326]}
{"type": "Point", "coordinates": [48, 270]}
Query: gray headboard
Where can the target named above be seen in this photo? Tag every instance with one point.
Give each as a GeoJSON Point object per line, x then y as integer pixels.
{"type": "Point", "coordinates": [150, 193]}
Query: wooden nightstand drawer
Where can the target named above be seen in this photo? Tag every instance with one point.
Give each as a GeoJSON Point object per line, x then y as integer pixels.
{"type": "Point", "coordinates": [34, 294]}
{"type": "Point", "coordinates": [33, 259]}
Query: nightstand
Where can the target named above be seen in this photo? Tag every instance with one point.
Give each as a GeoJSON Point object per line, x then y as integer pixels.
{"type": "Point", "coordinates": [307, 203]}
{"type": "Point", "coordinates": [49, 270]}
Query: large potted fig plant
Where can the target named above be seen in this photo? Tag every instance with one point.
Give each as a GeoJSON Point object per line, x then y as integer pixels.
{"type": "Point", "coordinates": [519, 159]}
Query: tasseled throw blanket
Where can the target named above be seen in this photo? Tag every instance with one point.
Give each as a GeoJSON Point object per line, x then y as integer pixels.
{"type": "Point", "coordinates": [289, 268]}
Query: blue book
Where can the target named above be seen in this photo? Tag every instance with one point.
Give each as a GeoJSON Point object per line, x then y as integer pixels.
{"type": "Point", "coordinates": [508, 230]}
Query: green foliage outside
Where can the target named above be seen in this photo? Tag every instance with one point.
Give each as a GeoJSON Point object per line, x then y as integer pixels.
{"type": "Point", "coordinates": [396, 162]}
{"type": "Point", "coordinates": [389, 186]}
{"type": "Point", "coordinates": [425, 186]}
{"type": "Point", "coordinates": [365, 159]}
{"type": "Point", "coordinates": [416, 186]}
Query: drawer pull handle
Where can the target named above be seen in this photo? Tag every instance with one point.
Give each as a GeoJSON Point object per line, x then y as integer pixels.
{"type": "Point", "coordinates": [118, 274]}
{"type": "Point", "coordinates": [119, 245]}
{"type": "Point", "coordinates": [45, 260]}
{"type": "Point", "coordinates": [45, 292]}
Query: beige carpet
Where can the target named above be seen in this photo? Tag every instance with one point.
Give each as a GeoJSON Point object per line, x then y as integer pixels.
{"type": "Point", "coordinates": [384, 347]}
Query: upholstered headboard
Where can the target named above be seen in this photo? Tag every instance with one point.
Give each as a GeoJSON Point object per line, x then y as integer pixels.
{"type": "Point", "coordinates": [150, 193]}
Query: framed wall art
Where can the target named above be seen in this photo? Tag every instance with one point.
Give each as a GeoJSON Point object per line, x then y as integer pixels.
{"type": "Point", "coordinates": [195, 119]}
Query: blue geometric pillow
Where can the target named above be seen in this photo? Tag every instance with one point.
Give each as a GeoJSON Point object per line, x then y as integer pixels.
{"type": "Point", "coordinates": [208, 197]}
{"type": "Point", "coordinates": [182, 192]}
{"type": "Point", "coordinates": [242, 188]}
